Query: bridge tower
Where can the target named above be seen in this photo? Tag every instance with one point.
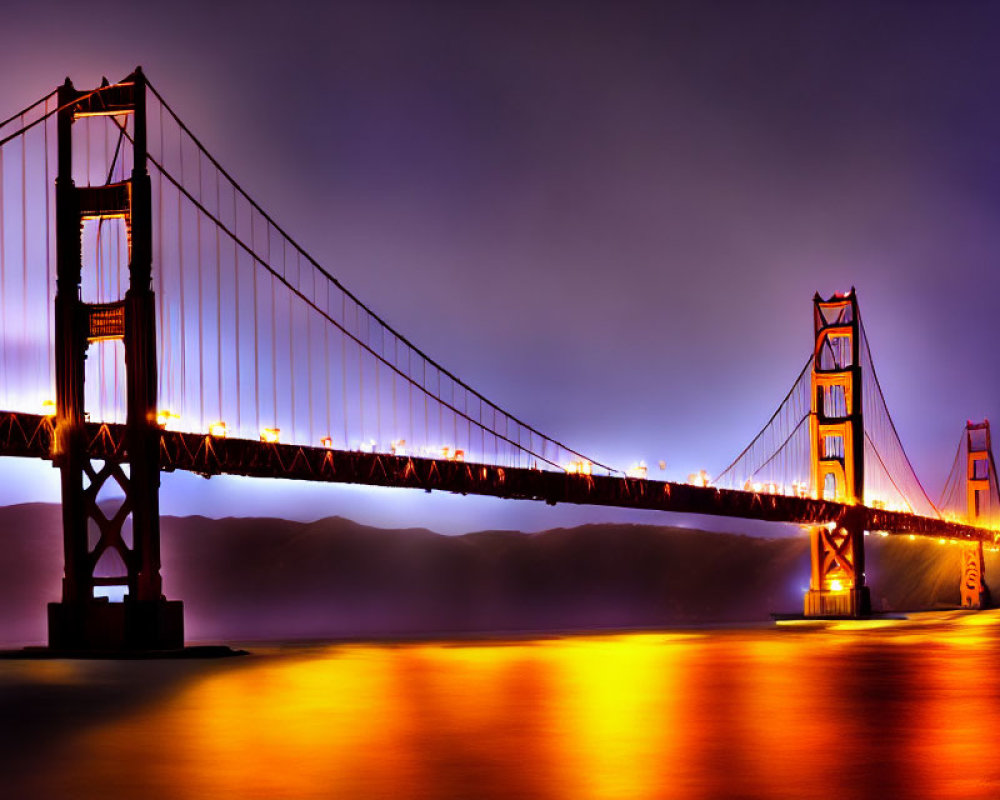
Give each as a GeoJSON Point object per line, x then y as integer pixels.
{"type": "Point", "coordinates": [126, 543]}
{"type": "Point", "coordinates": [980, 478]}
{"type": "Point", "coordinates": [836, 429]}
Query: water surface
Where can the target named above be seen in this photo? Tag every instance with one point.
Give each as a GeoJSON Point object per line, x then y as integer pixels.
{"type": "Point", "coordinates": [878, 709]}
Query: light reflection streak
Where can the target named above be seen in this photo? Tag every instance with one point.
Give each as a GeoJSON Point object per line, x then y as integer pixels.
{"type": "Point", "coordinates": [615, 717]}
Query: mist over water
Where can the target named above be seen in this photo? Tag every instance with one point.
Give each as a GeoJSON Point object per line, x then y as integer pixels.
{"type": "Point", "coordinates": [858, 709]}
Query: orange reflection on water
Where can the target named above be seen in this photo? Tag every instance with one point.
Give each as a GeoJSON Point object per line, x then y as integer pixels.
{"type": "Point", "coordinates": [954, 731]}
{"type": "Point", "coordinates": [905, 710]}
{"type": "Point", "coordinates": [616, 729]}
{"type": "Point", "coordinates": [289, 727]}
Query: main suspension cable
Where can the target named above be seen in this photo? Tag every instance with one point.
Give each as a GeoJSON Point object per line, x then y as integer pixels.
{"type": "Point", "coordinates": [365, 346]}
{"type": "Point", "coordinates": [892, 424]}
{"type": "Point", "coordinates": [316, 265]}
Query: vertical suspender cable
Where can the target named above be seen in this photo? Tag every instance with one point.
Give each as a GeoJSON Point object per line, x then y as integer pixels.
{"type": "Point", "coordinates": [274, 323]}
{"type": "Point", "coordinates": [378, 391]}
{"type": "Point", "coordinates": [327, 371]}
{"type": "Point", "coordinates": [409, 397]}
{"type": "Point", "coordinates": [218, 292]}
{"type": "Point", "coordinates": [291, 339]}
{"type": "Point", "coordinates": [343, 367]}
{"type": "Point", "coordinates": [395, 362]}
{"type": "Point", "coordinates": [361, 375]}
{"type": "Point", "coordinates": [180, 283]}
{"type": "Point", "coordinates": [24, 239]}
{"type": "Point", "coordinates": [309, 349]}
{"type": "Point", "coordinates": [253, 327]}
{"type": "Point", "coordinates": [50, 334]}
{"type": "Point", "coordinates": [236, 323]}
{"type": "Point", "coordinates": [200, 306]}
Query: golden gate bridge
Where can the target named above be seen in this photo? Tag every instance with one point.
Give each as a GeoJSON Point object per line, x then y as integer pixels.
{"type": "Point", "coordinates": [154, 317]}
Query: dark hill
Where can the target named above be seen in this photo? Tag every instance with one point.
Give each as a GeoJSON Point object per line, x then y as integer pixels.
{"type": "Point", "coordinates": [268, 578]}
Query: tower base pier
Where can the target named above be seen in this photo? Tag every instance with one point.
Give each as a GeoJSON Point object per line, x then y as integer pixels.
{"type": "Point", "coordinates": [974, 591]}
{"type": "Point", "coordinates": [99, 625]}
{"type": "Point", "coordinates": [849, 603]}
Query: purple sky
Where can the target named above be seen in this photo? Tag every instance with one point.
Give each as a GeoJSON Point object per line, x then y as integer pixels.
{"type": "Point", "coordinates": [609, 218]}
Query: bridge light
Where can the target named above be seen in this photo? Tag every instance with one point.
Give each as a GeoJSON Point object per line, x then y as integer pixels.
{"type": "Point", "coordinates": [579, 467]}
{"type": "Point", "coordinates": [836, 586]}
{"type": "Point", "coordinates": [167, 420]}
{"type": "Point", "coordinates": [327, 442]}
{"type": "Point", "coordinates": [217, 429]}
{"type": "Point", "coordinates": [398, 447]}
{"type": "Point", "coordinates": [48, 408]}
{"type": "Point", "coordinates": [270, 435]}
{"type": "Point", "coordinates": [699, 478]}
{"type": "Point", "coordinates": [639, 470]}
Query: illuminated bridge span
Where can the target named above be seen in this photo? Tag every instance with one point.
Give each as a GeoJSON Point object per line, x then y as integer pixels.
{"type": "Point", "coordinates": [155, 317]}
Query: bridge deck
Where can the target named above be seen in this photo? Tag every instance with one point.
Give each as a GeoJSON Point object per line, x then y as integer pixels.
{"type": "Point", "coordinates": [31, 435]}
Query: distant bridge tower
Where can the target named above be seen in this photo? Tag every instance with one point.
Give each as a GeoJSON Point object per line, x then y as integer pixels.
{"type": "Point", "coordinates": [980, 483]}
{"type": "Point", "coordinates": [95, 543]}
{"type": "Point", "coordinates": [837, 583]}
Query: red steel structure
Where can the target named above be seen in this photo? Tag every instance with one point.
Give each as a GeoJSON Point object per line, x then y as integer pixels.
{"type": "Point", "coordinates": [92, 537]}
{"type": "Point", "coordinates": [837, 580]}
{"type": "Point", "coordinates": [980, 474]}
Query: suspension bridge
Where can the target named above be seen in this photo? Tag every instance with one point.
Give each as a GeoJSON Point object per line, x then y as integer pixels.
{"type": "Point", "coordinates": [154, 317]}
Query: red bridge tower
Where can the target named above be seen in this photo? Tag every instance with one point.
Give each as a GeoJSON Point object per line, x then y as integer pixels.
{"type": "Point", "coordinates": [980, 479]}
{"type": "Point", "coordinates": [836, 430]}
{"type": "Point", "coordinates": [95, 543]}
